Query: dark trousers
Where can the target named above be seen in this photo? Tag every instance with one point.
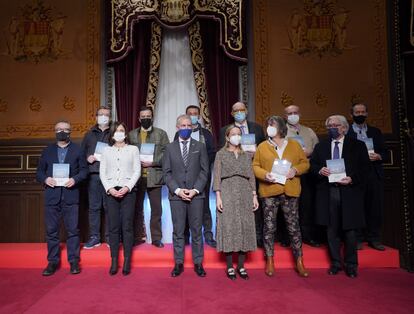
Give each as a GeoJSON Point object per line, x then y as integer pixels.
{"type": "Point", "coordinates": [179, 212]}
{"type": "Point", "coordinates": [154, 196]}
{"type": "Point", "coordinates": [207, 221]}
{"type": "Point", "coordinates": [310, 231]}
{"type": "Point", "coordinates": [97, 202]}
{"type": "Point", "coordinates": [121, 217]}
{"type": "Point", "coordinates": [335, 232]}
{"type": "Point", "coordinates": [53, 216]}
{"type": "Point", "coordinates": [374, 207]}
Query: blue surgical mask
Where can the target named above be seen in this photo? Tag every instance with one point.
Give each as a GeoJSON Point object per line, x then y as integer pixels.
{"type": "Point", "coordinates": [333, 133]}
{"type": "Point", "coordinates": [184, 133]}
{"type": "Point", "coordinates": [194, 120]}
{"type": "Point", "coordinates": [240, 116]}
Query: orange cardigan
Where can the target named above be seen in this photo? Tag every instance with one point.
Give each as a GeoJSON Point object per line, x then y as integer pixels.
{"type": "Point", "coordinates": [263, 162]}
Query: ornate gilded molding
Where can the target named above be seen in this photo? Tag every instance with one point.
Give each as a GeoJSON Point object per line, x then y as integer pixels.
{"type": "Point", "coordinates": [3, 105]}
{"type": "Point", "coordinates": [155, 62]}
{"type": "Point", "coordinates": [92, 88]}
{"type": "Point", "coordinates": [68, 103]}
{"type": "Point", "coordinates": [177, 13]}
{"type": "Point", "coordinates": [197, 58]}
{"type": "Point", "coordinates": [286, 100]}
{"type": "Point", "coordinates": [243, 84]}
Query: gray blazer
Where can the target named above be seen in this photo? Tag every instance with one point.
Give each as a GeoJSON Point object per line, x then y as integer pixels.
{"type": "Point", "coordinates": [192, 176]}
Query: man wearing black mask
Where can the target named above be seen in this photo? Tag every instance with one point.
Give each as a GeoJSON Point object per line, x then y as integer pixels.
{"type": "Point", "coordinates": [340, 203]}
{"type": "Point", "coordinates": [374, 197]}
{"type": "Point", "coordinates": [151, 142]}
{"type": "Point", "coordinates": [61, 168]}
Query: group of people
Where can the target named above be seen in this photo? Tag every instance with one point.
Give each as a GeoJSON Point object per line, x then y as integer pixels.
{"type": "Point", "coordinates": [255, 173]}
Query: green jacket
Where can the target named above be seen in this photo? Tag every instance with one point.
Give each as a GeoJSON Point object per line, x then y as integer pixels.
{"type": "Point", "coordinates": [160, 139]}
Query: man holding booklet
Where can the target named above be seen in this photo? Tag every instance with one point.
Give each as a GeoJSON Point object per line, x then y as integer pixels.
{"type": "Point", "coordinates": [151, 142]}
{"type": "Point", "coordinates": [62, 166]}
{"type": "Point", "coordinates": [340, 164]}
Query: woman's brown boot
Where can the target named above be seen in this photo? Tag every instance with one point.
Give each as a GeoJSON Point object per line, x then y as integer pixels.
{"type": "Point", "coordinates": [300, 268]}
{"type": "Point", "coordinates": [270, 266]}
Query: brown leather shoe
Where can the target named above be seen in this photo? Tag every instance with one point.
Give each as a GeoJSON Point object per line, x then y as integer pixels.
{"type": "Point", "coordinates": [270, 266]}
{"type": "Point", "coordinates": [300, 268]}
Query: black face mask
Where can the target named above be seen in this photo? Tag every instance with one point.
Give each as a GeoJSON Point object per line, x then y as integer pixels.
{"type": "Point", "coordinates": [146, 123]}
{"type": "Point", "coordinates": [62, 136]}
{"type": "Point", "coordinates": [359, 119]}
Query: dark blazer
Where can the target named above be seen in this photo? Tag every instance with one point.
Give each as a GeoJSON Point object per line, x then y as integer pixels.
{"type": "Point", "coordinates": [192, 176]}
{"type": "Point", "coordinates": [379, 147]}
{"type": "Point", "coordinates": [253, 128]}
{"type": "Point", "coordinates": [356, 159]}
{"type": "Point", "coordinates": [208, 140]}
{"type": "Point", "coordinates": [75, 157]}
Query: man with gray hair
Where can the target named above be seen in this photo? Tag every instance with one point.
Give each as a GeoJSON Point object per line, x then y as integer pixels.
{"type": "Point", "coordinates": [340, 201]}
{"type": "Point", "coordinates": [185, 169]}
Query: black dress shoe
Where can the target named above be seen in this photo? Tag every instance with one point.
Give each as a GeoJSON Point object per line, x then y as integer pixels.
{"type": "Point", "coordinates": [74, 268]}
{"type": "Point", "coordinates": [351, 272]}
{"type": "Point", "coordinates": [158, 244]}
{"type": "Point", "coordinates": [50, 269]}
{"type": "Point", "coordinates": [231, 273]}
{"type": "Point", "coordinates": [126, 269]}
{"type": "Point", "coordinates": [313, 243]}
{"type": "Point", "coordinates": [376, 246]}
{"type": "Point", "coordinates": [334, 270]}
{"type": "Point", "coordinates": [177, 270]}
{"type": "Point", "coordinates": [242, 273]}
{"type": "Point", "coordinates": [211, 242]}
{"type": "Point", "coordinates": [114, 266]}
{"type": "Point", "coordinates": [199, 270]}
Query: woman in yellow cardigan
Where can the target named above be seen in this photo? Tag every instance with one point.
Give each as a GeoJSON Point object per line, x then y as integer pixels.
{"type": "Point", "coordinates": [283, 195]}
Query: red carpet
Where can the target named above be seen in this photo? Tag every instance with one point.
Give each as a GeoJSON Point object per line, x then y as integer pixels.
{"type": "Point", "coordinates": [33, 255]}
{"type": "Point", "coordinates": [153, 291]}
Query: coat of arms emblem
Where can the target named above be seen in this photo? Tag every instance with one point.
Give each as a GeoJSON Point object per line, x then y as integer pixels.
{"type": "Point", "coordinates": [36, 34]}
{"type": "Point", "coordinates": [319, 29]}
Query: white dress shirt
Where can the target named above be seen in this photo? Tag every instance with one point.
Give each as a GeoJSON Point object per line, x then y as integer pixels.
{"type": "Point", "coordinates": [340, 145]}
{"type": "Point", "coordinates": [120, 166]}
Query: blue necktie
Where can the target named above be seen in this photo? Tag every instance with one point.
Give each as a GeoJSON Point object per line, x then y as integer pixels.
{"type": "Point", "coordinates": [336, 151]}
{"type": "Point", "coordinates": [243, 129]}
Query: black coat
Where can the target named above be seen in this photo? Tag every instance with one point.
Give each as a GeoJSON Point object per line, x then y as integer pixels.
{"type": "Point", "coordinates": [379, 147]}
{"type": "Point", "coordinates": [357, 165]}
{"type": "Point", "coordinates": [94, 135]}
{"type": "Point", "coordinates": [253, 128]}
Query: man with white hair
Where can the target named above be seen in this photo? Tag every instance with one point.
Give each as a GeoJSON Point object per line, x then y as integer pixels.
{"type": "Point", "coordinates": [340, 203]}
{"type": "Point", "coordinates": [185, 169]}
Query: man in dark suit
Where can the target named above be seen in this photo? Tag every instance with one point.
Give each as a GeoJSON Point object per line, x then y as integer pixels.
{"type": "Point", "coordinates": [374, 197]}
{"type": "Point", "coordinates": [340, 205]}
{"type": "Point", "coordinates": [203, 136]}
{"type": "Point", "coordinates": [239, 113]}
{"type": "Point", "coordinates": [185, 169]}
{"type": "Point", "coordinates": [62, 195]}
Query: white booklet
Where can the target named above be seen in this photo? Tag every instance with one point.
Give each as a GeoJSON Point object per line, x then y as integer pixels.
{"type": "Point", "coordinates": [280, 170]}
{"type": "Point", "coordinates": [299, 139]}
{"type": "Point", "coordinates": [248, 142]}
{"type": "Point", "coordinates": [100, 146]}
{"type": "Point", "coordinates": [370, 144]}
{"type": "Point", "coordinates": [337, 169]}
{"type": "Point", "coordinates": [61, 174]}
{"type": "Point", "coordinates": [147, 152]}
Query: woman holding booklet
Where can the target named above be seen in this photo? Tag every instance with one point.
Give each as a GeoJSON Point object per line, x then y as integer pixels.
{"type": "Point", "coordinates": [277, 165]}
{"type": "Point", "coordinates": [119, 171]}
{"type": "Point", "coordinates": [236, 198]}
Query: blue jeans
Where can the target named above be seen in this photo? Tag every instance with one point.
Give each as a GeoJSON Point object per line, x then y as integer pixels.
{"type": "Point", "coordinates": [70, 215]}
{"type": "Point", "coordinates": [97, 202]}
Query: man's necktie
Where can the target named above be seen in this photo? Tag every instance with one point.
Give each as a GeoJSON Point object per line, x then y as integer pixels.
{"type": "Point", "coordinates": [185, 152]}
{"type": "Point", "coordinates": [336, 150]}
{"type": "Point", "coordinates": [243, 129]}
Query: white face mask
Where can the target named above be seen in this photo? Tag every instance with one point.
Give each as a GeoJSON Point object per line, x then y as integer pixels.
{"type": "Point", "coordinates": [271, 131]}
{"type": "Point", "coordinates": [103, 120]}
{"type": "Point", "coordinates": [119, 136]}
{"type": "Point", "coordinates": [293, 119]}
{"type": "Point", "coordinates": [235, 140]}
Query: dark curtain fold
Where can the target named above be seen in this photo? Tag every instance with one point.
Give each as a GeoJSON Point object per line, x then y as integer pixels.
{"type": "Point", "coordinates": [132, 74]}
{"type": "Point", "coordinates": [221, 76]}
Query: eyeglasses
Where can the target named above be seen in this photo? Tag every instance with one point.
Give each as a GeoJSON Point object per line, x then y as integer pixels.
{"type": "Point", "coordinates": [241, 110]}
{"type": "Point", "coordinates": [329, 126]}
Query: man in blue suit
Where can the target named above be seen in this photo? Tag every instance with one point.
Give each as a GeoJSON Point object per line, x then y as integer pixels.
{"type": "Point", "coordinates": [62, 195]}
